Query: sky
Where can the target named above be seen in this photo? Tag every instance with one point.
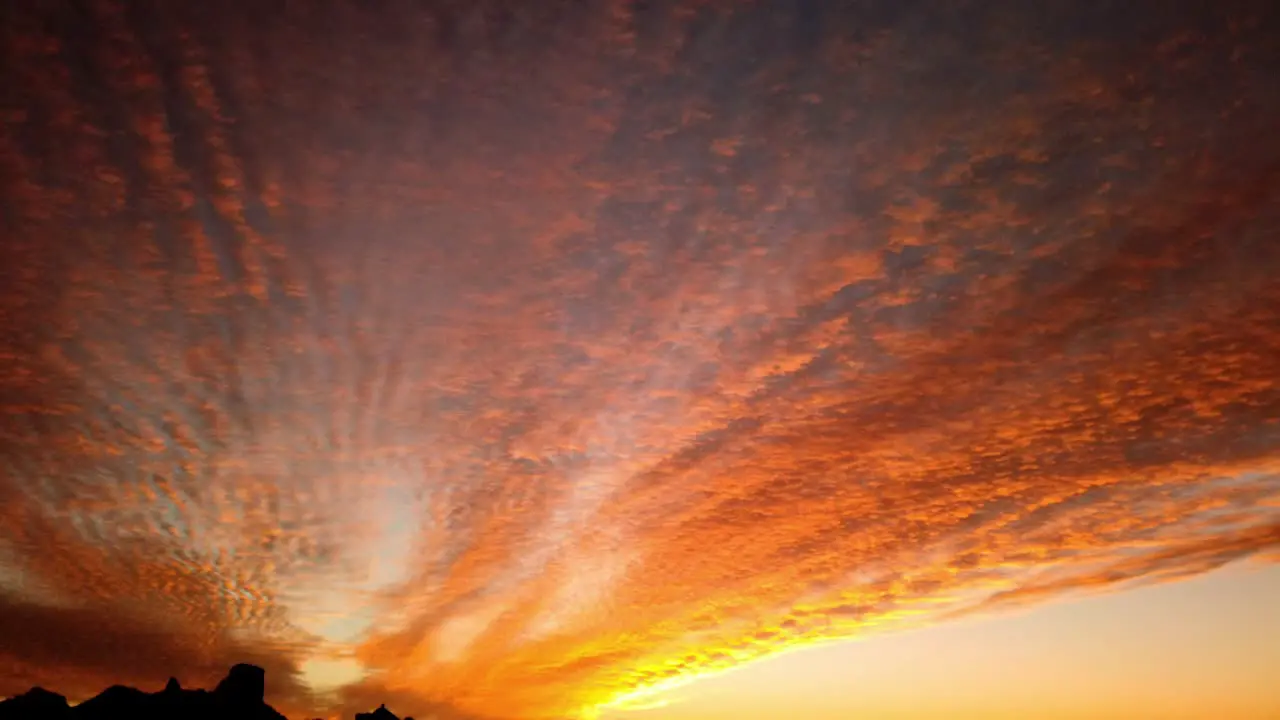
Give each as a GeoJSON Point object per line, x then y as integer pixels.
{"type": "Point", "coordinates": [1216, 639]}
{"type": "Point", "coordinates": [698, 358]}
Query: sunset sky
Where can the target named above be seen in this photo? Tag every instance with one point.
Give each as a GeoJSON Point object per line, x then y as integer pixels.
{"type": "Point", "coordinates": [683, 360]}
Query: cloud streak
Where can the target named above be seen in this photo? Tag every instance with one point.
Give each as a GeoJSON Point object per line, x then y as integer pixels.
{"type": "Point", "coordinates": [537, 358]}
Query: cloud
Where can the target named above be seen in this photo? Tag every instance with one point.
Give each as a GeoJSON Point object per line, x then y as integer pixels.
{"type": "Point", "coordinates": [608, 349]}
{"type": "Point", "coordinates": [82, 650]}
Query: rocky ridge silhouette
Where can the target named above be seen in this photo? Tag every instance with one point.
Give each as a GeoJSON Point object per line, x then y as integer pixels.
{"type": "Point", "coordinates": [240, 695]}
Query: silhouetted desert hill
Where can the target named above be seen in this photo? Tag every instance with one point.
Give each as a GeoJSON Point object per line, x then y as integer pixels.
{"type": "Point", "coordinates": [239, 696]}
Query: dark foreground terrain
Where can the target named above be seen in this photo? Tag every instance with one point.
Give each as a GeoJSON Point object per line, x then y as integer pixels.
{"type": "Point", "coordinates": [239, 695]}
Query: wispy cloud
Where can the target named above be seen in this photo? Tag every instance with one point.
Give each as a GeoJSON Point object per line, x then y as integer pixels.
{"type": "Point", "coordinates": [532, 358]}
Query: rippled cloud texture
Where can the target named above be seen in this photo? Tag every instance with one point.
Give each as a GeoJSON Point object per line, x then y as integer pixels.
{"type": "Point", "coordinates": [506, 359]}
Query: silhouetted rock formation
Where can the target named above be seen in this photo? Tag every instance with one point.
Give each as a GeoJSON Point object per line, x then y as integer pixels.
{"type": "Point", "coordinates": [115, 701]}
{"type": "Point", "coordinates": [36, 703]}
{"type": "Point", "coordinates": [243, 687]}
{"type": "Point", "coordinates": [238, 697]}
{"type": "Point", "coordinates": [382, 713]}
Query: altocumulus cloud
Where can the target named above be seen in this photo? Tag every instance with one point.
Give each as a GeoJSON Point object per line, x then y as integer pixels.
{"type": "Point", "coordinates": [525, 356]}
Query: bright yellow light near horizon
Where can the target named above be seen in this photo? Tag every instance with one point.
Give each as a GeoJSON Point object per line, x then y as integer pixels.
{"type": "Point", "coordinates": [324, 674]}
{"type": "Point", "coordinates": [649, 696]}
{"type": "Point", "coordinates": [656, 695]}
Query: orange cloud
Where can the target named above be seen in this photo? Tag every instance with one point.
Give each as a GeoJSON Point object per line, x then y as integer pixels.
{"type": "Point", "coordinates": [533, 359]}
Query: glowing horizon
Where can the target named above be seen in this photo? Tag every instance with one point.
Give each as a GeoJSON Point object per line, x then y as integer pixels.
{"type": "Point", "coordinates": [525, 362]}
{"type": "Point", "coordinates": [1173, 651]}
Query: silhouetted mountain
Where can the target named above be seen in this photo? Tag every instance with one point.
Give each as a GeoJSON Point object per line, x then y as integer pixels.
{"type": "Point", "coordinates": [239, 696]}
